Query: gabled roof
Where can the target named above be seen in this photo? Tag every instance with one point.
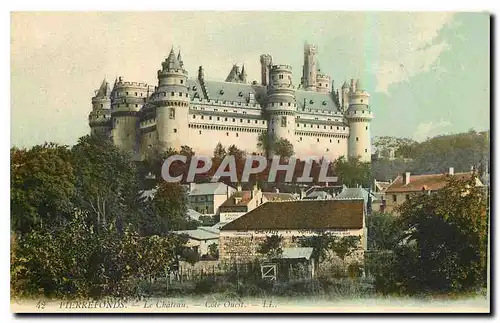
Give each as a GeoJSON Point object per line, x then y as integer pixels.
{"type": "Point", "coordinates": [318, 195]}
{"type": "Point", "coordinates": [201, 233]}
{"type": "Point", "coordinates": [302, 214]}
{"type": "Point", "coordinates": [418, 183]}
{"type": "Point", "coordinates": [209, 189]}
{"type": "Point", "coordinates": [352, 193]}
{"type": "Point", "coordinates": [239, 198]}
{"type": "Point", "coordinates": [192, 214]}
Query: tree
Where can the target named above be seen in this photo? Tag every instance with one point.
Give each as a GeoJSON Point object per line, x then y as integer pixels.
{"type": "Point", "coordinates": [42, 186]}
{"type": "Point", "coordinates": [284, 148]}
{"type": "Point", "coordinates": [239, 155]}
{"type": "Point", "coordinates": [321, 244]}
{"type": "Point", "coordinates": [187, 151]}
{"type": "Point", "coordinates": [219, 152]}
{"type": "Point", "coordinates": [352, 172]}
{"type": "Point", "coordinates": [265, 143]}
{"type": "Point", "coordinates": [383, 232]}
{"type": "Point", "coordinates": [445, 240]}
{"type": "Point", "coordinates": [345, 246]}
{"type": "Point", "coordinates": [271, 247]}
{"type": "Point", "coordinates": [106, 181]}
{"type": "Point", "coordinates": [170, 207]}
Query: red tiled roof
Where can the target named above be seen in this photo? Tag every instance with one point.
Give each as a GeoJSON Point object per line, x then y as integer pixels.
{"type": "Point", "coordinates": [418, 183]}
{"type": "Point", "coordinates": [239, 198]}
{"type": "Point", "coordinates": [303, 214]}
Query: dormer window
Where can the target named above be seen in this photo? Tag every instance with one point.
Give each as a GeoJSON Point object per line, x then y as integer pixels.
{"type": "Point", "coordinates": [221, 92]}
{"type": "Point", "coordinates": [240, 94]}
{"type": "Point", "coordinates": [194, 87]}
{"type": "Point", "coordinates": [324, 102]}
{"type": "Point", "coordinates": [311, 101]}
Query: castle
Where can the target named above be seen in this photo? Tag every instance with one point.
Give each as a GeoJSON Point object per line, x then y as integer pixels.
{"type": "Point", "coordinates": [317, 119]}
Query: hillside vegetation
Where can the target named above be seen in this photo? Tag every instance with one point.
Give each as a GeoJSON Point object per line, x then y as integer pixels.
{"type": "Point", "coordinates": [460, 151]}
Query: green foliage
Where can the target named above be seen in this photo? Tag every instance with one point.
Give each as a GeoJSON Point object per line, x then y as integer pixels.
{"type": "Point", "coordinates": [444, 248]}
{"type": "Point", "coordinates": [213, 250]}
{"type": "Point", "coordinates": [352, 172]}
{"type": "Point", "coordinates": [76, 261]}
{"type": "Point", "coordinates": [284, 148]}
{"type": "Point", "coordinates": [383, 232]}
{"type": "Point", "coordinates": [271, 247]}
{"type": "Point", "coordinates": [321, 244]}
{"type": "Point", "coordinates": [42, 186]}
{"type": "Point", "coordinates": [345, 246]}
{"type": "Point", "coordinates": [219, 152]}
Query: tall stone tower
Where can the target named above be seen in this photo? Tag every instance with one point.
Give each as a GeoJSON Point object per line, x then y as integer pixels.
{"type": "Point", "coordinates": [344, 96]}
{"type": "Point", "coordinates": [359, 117]}
{"type": "Point", "coordinates": [127, 98]}
{"type": "Point", "coordinates": [265, 66]}
{"type": "Point", "coordinates": [100, 116]}
{"type": "Point", "coordinates": [309, 76]}
{"type": "Point", "coordinates": [281, 106]}
{"type": "Point", "coordinates": [171, 100]}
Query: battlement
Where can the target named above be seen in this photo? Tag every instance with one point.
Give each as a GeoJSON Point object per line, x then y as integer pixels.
{"type": "Point", "coordinates": [124, 84]}
{"type": "Point", "coordinates": [281, 67]}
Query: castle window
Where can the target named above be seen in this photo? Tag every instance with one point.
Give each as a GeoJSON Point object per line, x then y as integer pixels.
{"type": "Point", "coordinates": [326, 84]}
{"type": "Point", "coordinates": [136, 105]}
{"type": "Point", "coordinates": [317, 139]}
{"type": "Point", "coordinates": [135, 93]}
{"type": "Point", "coordinates": [225, 119]}
{"type": "Point", "coordinates": [281, 103]}
{"type": "Point", "coordinates": [182, 81]}
{"type": "Point", "coordinates": [227, 134]}
{"type": "Point", "coordinates": [128, 105]}
{"type": "Point", "coordinates": [202, 117]}
{"type": "Point", "coordinates": [366, 128]}
{"type": "Point", "coordinates": [199, 132]}
{"type": "Point", "coordinates": [337, 128]}
{"type": "Point", "coordinates": [300, 138]}
{"type": "Point", "coordinates": [319, 84]}
{"type": "Point", "coordinates": [327, 149]}
{"type": "Point", "coordinates": [187, 95]}
{"type": "Point", "coordinates": [171, 114]}
{"type": "Point", "coordinates": [172, 93]}
{"type": "Point", "coordinates": [324, 126]}
{"type": "Point", "coordinates": [338, 141]}
{"type": "Point", "coordinates": [366, 150]}
{"type": "Point", "coordinates": [216, 110]}
{"type": "Point", "coordinates": [126, 93]}
{"type": "Point", "coordinates": [234, 120]}
{"type": "Point", "coordinates": [281, 76]}
{"type": "Point", "coordinates": [248, 121]}
{"type": "Point", "coordinates": [240, 94]}
{"type": "Point", "coordinates": [218, 118]}
{"type": "Point", "coordinates": [236, 134]}
{"type": "Point", "coordinates": [175, 130]}
{"type": "Point", "coordinates": [361, 100]}
{"type": "Point", "coordinates": [180, 94]}
{"type": "Point", "coordinates": [210, 118]}
{"type": "Point", "coordinates": [283, 121]}
{"type": "Point", "coordinates": [357, 139]}
{"type": "Point", "coordinates": [330, 141]}
{"type": "Point", "coordinates": [194, 116]}
{"type": "Point", "coordinates": [255, 121]}
{"type": "Point", "coordinates": [241, 120]}
{"type": "Point", "coordinates": [221, 92]}
{"type": "Point", "coordinates": [289, 104]}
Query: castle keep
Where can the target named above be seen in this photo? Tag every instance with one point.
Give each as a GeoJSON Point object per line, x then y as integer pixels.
{"type": "Point", "coordinates": [317, 119]}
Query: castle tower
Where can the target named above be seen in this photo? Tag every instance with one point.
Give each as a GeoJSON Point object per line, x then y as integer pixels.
{"type": "Point", "coordinates": [359, 116]}
{"type": "Point", "coordinates": [127, 98]}
{"type": "Point", "coordinates": [323, 83]}
{"type": "Point", "coordinates": [310, 68]}
{"type": "Point", "coordinates": [171, 100]}
{"type": "Point", "coordinates": [265, 65]}
{"type": "Point", "coordinates": [281, 106]}
{"type": "Point", "coordinates": [100, 116]}
{"type": "Point", "coordinates": [344, 96]}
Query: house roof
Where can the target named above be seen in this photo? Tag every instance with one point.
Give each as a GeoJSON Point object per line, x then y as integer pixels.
{"type": "Point", "coordinates": [192, 214]}
{"type": "Point", "coordinates": [273, 196]}
{"type": "Point", "coordinates": [297, 253]}
{"type": "Point", "coordinates": [201, 233]}
{"type": "Point", "coordinates": [302, 214]}
{"type": "Point", "coordinates": [239, 198]}
{"type": "Point", "coordinates": [318, 195]}
{"type": "Point", "coordinates": [418, 183]}
{"type": "Point", "coordinates": [352, 193]}
{"type": "Point", "coordinates": [210, 189]}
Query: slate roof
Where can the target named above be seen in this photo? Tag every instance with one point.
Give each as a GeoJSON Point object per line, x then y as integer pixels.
{"type": "Point", "coordinates": [193, 214]}
{"type": "Point", "coordinates": [240, 92]}
{"type": "Point", "coordinates": [297, 253]}
{"type": "Point", "coordinates": [418, 183]}
{"type": "Point", "coordinates": [302, 214]}
{"type": "Point", "coordinates": [201, 233]}
{"type": "Point", "coordinates": [209, 189]}
{"type": "Point", "coordinates": [318, 195]}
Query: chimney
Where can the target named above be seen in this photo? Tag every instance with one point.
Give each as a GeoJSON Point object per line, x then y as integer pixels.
{"type": "Point", "coordinates": [239, 187]}
{"type": "Point", "coordinates": [192, 186]}
{"type": "Point", "coordinates": [407, 178]}
{"type": "Point", "coordinates": [451, 171]}
{"type": "Point", "coordinates": [302, 194]}
{"type": "Point", "coordinates": [277, 190]}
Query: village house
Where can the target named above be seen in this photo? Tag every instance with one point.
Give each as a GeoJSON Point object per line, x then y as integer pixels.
{"type": "Point", "coordinates": [407, 185]}
{"type": "Point", "coordinates": [292, 220]}
{"type": "Point", "coordinates": [201, 238]}
{"type": "Point", "coordinates": [242, 202]}
{"type": "Point", "coordinates": [206, 198]}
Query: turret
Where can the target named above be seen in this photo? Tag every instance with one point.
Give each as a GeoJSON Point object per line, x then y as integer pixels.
{"type": "Point", "coordinates": [309, 72]}
{"type": "Point", "coordinates": [359, 116]}
{"type": "Point", "coordinates": [265, 68]}
{"type": "Point", "coordinates": [171, 101]}
{"type": "Point", "coordinates": [127, 98]}
{"type": "Point", "coordinates": [281, 106]}
{"type": "Point", "coordinates": [323, 83]}
{"type": "Point", "coordinates": [100, 116]}
{"type": "Point", "coordinates": [344, 100]}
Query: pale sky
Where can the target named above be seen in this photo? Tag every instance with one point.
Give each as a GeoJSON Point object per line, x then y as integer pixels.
{"type": "Point", "coordinates": [427, 73]}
